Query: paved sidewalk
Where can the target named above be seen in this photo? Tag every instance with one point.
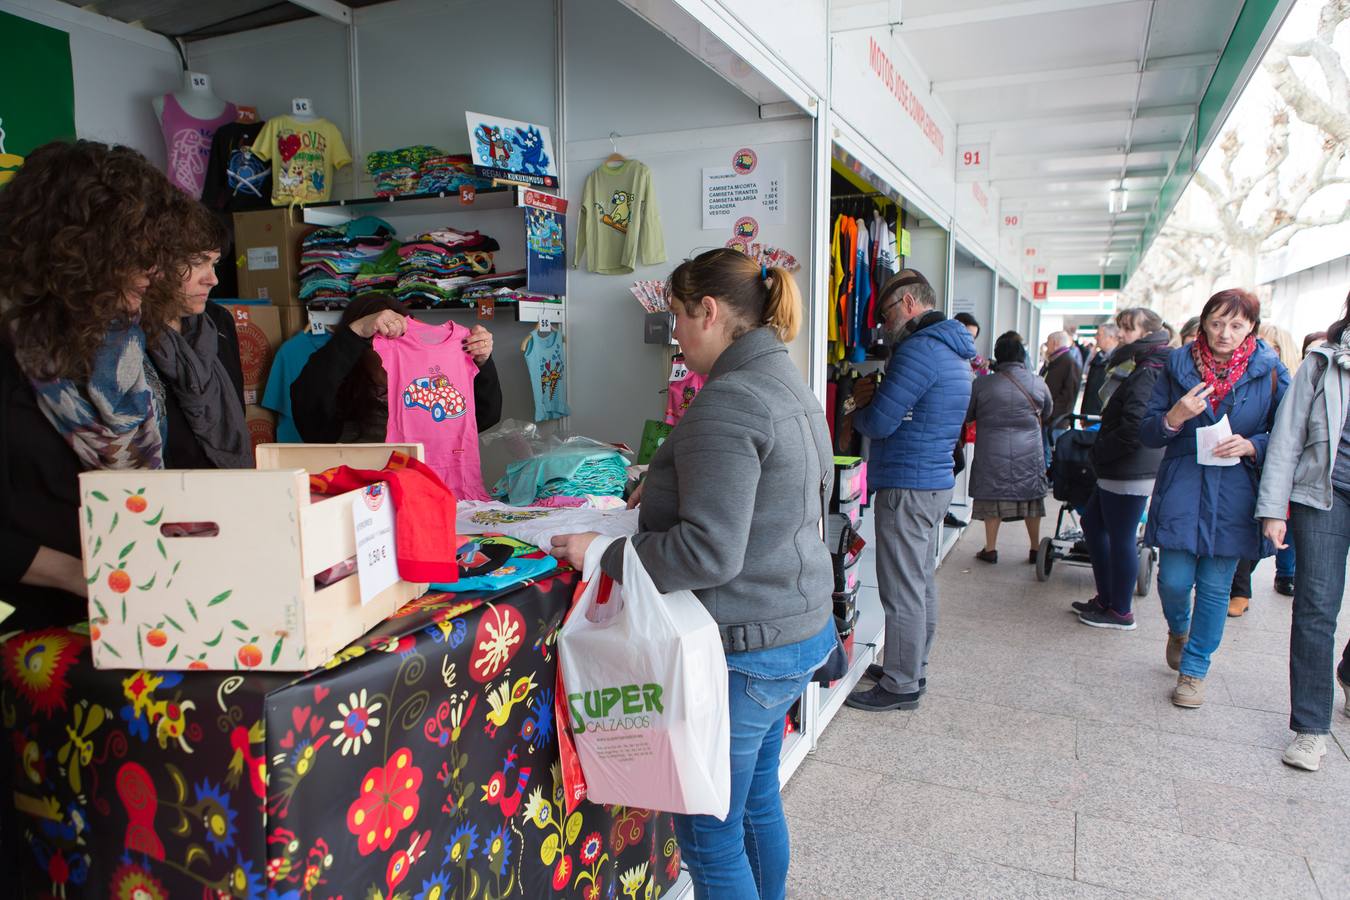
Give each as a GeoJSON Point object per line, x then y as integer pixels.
{"type": "Point", "coordinates": [1047, 761]}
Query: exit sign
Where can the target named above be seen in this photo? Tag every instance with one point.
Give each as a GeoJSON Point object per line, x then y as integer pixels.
{"type": "Point", "coordinates": [1040, 290]}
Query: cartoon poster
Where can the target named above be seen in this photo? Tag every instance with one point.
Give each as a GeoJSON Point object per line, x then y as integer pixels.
{"type": "Point", "coordinates": [37, 104]}
{"type": "Point", "coordinates": [511, 150]}
{"type": "Point", "coordinates": [545, 245]}
{"type": "Point", "coordinates": [746, 194]}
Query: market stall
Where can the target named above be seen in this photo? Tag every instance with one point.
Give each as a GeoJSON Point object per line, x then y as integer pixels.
{"type": "Point", "coordinates": [421, 761]}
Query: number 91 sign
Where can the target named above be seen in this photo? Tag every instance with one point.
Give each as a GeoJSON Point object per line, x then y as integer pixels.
{"type": "Point", "coordinates": [972, 162]}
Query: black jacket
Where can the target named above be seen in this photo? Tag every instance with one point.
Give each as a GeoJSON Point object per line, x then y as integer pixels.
{"type": "Point", "coordinates": [1118, 452]}
{"type": "Point", "coordinates": [1096, 377]}
{"type": "Point", "coordinates": [39, 483]}
{"type": "Point", "coordinates": [314, 393]}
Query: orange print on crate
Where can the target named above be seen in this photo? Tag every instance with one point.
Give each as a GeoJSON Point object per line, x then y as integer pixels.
{"type": "Point", "coordinates": [119, 581]}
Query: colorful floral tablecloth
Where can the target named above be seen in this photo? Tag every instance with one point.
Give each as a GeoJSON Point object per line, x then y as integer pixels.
{"type": "Point", "coordinates": [421, 763]}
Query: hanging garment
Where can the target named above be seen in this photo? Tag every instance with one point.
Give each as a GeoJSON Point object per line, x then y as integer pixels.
{"type": "Point", "coordinates": [680, 393]}
{"type": "Point", "coordinates": [862, 294]}
{"type": "Point", "coordinates": [544, 359]}
{"type": "Point", "coordinates": [431, 401]}
{"type": "Point", "coordinates": [187, 140]}
{"type": "Point", "coordinates": [620, 226]}
{"type": "Point", "coordinates": [236, 180]}
{"type": "Point", "coordinates": [287, 365]}
{"type": "Point", "coordinates": [304, 155]}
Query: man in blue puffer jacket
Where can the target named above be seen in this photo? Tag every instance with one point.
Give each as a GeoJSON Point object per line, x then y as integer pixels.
{"type": "Point", "coordinates": [914, 420]}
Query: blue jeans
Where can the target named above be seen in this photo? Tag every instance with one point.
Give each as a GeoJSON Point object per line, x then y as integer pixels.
{"type": "Point", "coordinates": [1111, 529]}
{"type": "Point", "coordinates": [1211, 577]}
{"type": "Point", "coordinates": [1285, 566]}
{"type": "Point", "coordinates": [745, 855]}
{"type": "Point", "coordinates": [1323, 543]}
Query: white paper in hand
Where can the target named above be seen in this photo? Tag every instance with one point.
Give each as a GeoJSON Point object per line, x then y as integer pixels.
{"type": "Point", "coordinates": [1209, 437]}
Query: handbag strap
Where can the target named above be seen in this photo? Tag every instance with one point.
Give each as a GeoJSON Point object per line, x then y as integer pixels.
{"type": "Point", "coordinates": [1035, 407]}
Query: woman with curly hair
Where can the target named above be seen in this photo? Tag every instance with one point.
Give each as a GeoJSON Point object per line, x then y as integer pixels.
{"type": "Point", "coordinates": [110, 356]}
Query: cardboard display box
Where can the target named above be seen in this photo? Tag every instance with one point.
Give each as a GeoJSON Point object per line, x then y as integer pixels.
{"type": "Point", "coordinates": [294, 319]}
{"type": "Point", "coordinates": [258, 326]}
{"type": "Point", "coordinates": [240, 591]}
{"type": "Point", "coordinates": [267, 254]}
{"type": "Point", "coordinates": [262, 426]}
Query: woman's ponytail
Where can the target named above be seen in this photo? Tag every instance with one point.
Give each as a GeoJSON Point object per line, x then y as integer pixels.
{"type": "Point", "coordinates": [783, 309]}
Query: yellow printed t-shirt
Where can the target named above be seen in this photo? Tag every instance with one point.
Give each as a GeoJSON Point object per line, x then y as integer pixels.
{"type": "Point", "coordinates": [304, 155]}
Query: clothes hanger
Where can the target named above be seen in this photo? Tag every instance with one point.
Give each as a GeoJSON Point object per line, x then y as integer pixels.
{"type": "Point", "coordinates": [525, 343]}
{"type": "Point", "coordinates": [616, 156]}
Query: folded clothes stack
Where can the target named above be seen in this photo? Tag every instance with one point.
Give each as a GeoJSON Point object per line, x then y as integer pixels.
{"type": "Point", "coordinates": [330, 259]}
{"type": "Point", "coordinates": [398, 172]}
{"type": "Point", "coordinates": [434, 266]}
{"type": "Point", "coordinates": [448, 174]}
{"type": "Point", "coordinates": [563, 473]}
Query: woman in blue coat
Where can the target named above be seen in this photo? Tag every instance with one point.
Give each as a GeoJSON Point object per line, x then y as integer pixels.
{"type": "Point", "coordinates": [1203, 517]}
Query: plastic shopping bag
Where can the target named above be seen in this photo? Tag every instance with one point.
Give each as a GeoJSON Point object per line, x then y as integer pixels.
{"type": "Point", "coordinates": [645, 685]}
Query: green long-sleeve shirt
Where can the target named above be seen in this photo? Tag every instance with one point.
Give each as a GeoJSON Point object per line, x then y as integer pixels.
{"type": "Point", "coordinates": [620, 226]}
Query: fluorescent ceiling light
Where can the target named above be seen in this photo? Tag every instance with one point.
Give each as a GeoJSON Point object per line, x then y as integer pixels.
{"type": "Point", "coordinates": [1117, 200]}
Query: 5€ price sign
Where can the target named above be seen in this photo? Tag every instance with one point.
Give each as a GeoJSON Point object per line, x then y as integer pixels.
{"type": "Point", "coordinates": [376, 560]}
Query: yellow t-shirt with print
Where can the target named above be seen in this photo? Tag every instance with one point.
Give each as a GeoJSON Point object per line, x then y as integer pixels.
{"type": "Point", "coordinates": [304, 155]}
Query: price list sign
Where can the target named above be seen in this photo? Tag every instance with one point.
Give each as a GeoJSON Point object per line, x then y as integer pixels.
{"type": "Point", "coordinates": [744, 190]}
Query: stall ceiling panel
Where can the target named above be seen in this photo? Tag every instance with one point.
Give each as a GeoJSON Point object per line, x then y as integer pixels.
{"type": "Point", "coordinates": [202, 18]}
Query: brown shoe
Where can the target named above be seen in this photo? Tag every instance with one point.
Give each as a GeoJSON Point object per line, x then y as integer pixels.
{"type": "Point", "coordinates": [1237, 606]}
{"type": "Point", "coordinates": [1189, 692]}
{"type": "Point", "coordinates": [1175, 644]}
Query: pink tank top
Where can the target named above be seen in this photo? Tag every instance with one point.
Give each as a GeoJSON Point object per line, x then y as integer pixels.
{"type": "Point", "coordinates": [680, 394]}
{"type": "Point", "coordinates": [188, 142]}
{"type": "Point", "coordinates": [431, 401]}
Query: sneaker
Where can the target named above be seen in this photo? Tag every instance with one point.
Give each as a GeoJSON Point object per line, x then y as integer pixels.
{"type": "Point", "coordinates": [1189, 692]}
{"type": "Point", "coordinates": [1306, 752]}
{"type": "Point", "coordinates": [989, 556]}
{"type": "Point", "coordinates": [1284, 584]}
{"type": "Point", "coordinates": [878, 699]}
{"type": "Point", "coordinates": [1237, 606]}
{"type": "Point", "coordinates": [875, 671]}
{"type": "Point", "coordinates": [1175, 644]}
{"type": "Point", "coordinates": [1092, 605]}
{"type": "Point", "coordinates": [1108, 618]}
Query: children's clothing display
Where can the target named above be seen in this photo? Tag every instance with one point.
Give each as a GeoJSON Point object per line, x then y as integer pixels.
{"type": "Point", "coordinates": [303, 155]}
{"type": "Point", "coordinates": [434, 267]}
{"type": "Point", "coordinates": [187, 140]}
{"type": "Point", "coordinates": [565, 472]}
{"type": "Point", "coordinates": [492, 562]}
{"type": "Point", "coordinates": [862, 257]}
{"type": "Point", "coordinates": [538, 526]}
{"type": "Point", "coordinates": [287, 365]}
{"type": "Point", "coordinates": [620, 228]}
{"type": "Point", "coordinates": [431, 401]}
{"type": "Point", "coordinates": [680, 393]}
{"type": "Point", "coordinates": [544, 359]}
{"type": "Point", "coordinates": [236, 179]}
{"type": "Point", "coordinates": [425, 541]}
{"type": "Point", "coordinates": [330, 259]}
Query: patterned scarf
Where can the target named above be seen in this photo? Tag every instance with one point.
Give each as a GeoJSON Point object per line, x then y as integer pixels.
{"type": "Point", "coordinates": [1340, 352]}
{"type": "Point", "coordinates": [114, 421]}
{"type": "Point", "coordinates": [1221, 376]}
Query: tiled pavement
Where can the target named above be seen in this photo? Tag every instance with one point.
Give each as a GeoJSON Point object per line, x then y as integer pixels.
{"type": "Point", "coordinates": [1046, 761]}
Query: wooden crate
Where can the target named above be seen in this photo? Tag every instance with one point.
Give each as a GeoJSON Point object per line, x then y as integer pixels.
{"type": "Point", "coordinates": [244, 597]}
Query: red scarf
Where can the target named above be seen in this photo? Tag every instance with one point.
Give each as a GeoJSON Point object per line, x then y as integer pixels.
{"type": "Point", "coordinates": [1221, 376]}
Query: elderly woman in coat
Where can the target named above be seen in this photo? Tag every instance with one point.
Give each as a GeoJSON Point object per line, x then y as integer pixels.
{"type": "Point", "coordinates": [1007, 480]}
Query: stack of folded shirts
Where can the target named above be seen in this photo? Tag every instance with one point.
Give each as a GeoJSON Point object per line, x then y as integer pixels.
{"type": "Point", "coordinates": [449, 174]}
{"type": "Point", "coordinates": [563, 473]}
{"type": "Point", "coordinates": [397, 172]}
{"type": "Point", "coordinates": [330, 259]}
{"type": "Point", "coordinates": [434, 267]}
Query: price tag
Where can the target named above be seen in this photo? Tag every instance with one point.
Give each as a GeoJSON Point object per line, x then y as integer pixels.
{"type": "Point", "coordinates": [373, 520]}
{"type": "Point", "coordinates": [316, 327]}
{"type": "Point", "coordinates": [467, 194]}
{"type": "Point", "coordinates": [678, 370]}
{"type": "Point", "coordinates": [300, 106]}
{"type": "Point", "coordinates": [545, 326]}
{"type": "Point", "coordinates": [200, 82]}
{"type": "Point", "coordinates": [487, 308]}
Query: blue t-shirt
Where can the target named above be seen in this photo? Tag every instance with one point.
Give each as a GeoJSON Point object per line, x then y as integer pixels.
{"type": "Point", "coordinates": [287, 365]}
{"type": "Point", "coordinates": [544, 358]}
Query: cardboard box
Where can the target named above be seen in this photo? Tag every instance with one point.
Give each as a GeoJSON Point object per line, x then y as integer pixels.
{"type": "Point", "coordinates": [267, 254]}
{"type": "Point", "coordinates": [294, 319]}
{"type": "Point", "coordinates": [258, 326]}
{"type": "Point", "coordinates": [262, 426]}
{"type": "Point", "coordinates": [240, 592]}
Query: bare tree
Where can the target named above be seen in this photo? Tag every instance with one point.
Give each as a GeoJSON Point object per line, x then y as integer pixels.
{"type": "Point", "coordinates": [1331, 112]}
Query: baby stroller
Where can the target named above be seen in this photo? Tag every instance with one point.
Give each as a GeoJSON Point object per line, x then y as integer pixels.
{"type": "Point", "coordinates": [1074, 480]}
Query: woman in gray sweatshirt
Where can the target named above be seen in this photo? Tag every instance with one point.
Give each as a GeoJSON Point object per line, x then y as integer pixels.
{"type": "Point", "coordinates": [731, 509]}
